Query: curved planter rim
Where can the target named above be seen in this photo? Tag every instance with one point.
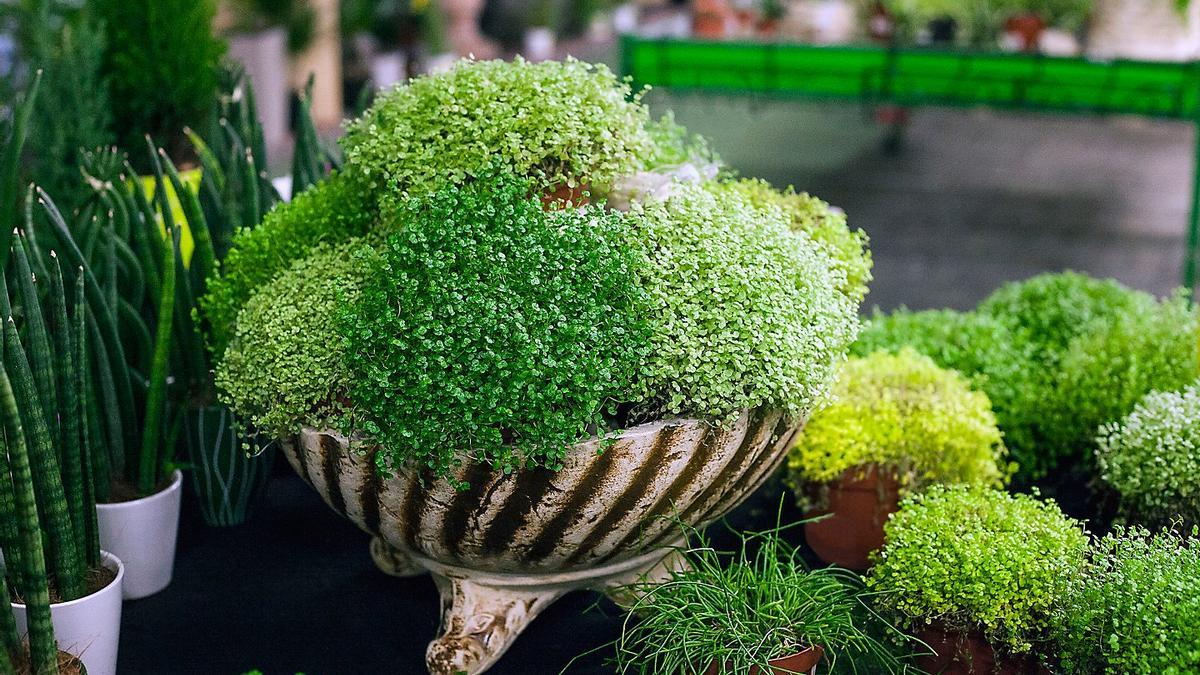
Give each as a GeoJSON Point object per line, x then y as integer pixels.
{"type": "Point", "coordinates": [176, 482]}
{"type": "Point", "coordinates": [108, 561]}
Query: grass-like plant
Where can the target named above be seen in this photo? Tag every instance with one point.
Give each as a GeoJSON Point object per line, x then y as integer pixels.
{"type": "Point", "coordinates": [558, 123]}
{"type": "Point", "coordinates": [824, 224]}
{"type": "Point", "coordinates": [981, 348]}
{"type": "Point", "coordinates": [284, 367]}
{"type": "Point", "coordinates": [1152, 458]}
{"type": "Point", "coordinates": [975, 559]}
{"type": "Point", "coordinates": [741, 610]}
{"type": "Point", "coordinates": [743, 311]}
{"type": "Point", "coordinates": [490, 326]}
{"type": "Point", "coordinates": [1136, 608]}
{"type": "Point", "coordinates": [905, 415]}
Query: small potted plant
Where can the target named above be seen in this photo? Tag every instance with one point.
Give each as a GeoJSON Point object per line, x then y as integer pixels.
{"type": "Point", "coordinates": [1152, 456]}
{"type": "Point", "coordinates": [1136, 608]}
{"type": "Point", "coordinates": [977, 573]}
{"type": "Point", "coordinates": [759, 610]}
{"type": "Point", "coordinates": [560, 373]}
{"type": "Point", "coordinates": [896, 424]}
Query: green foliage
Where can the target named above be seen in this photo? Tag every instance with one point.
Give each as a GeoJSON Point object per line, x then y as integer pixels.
{"type": "Point", "coordinates": [555, 122]}
{"type": "Point", "coordinates": [331, 212]}
{"type": "Point", "coordinates": [827, 226]}
{"type": "Point", "coordinates": [741, 610]}
{"type": "Point", "coordinates": [1135, 610]}
{"type": "Point", "coordinates": [161, 63]}
{"type": "Point", "coordinates": [743, 311]}
{"type": "Point", "coordinates": [972, 558]}
{"type": "Point", "coordinates": [1152, 457]}
{"type": "Point", "coordinates": [674, 145]}
{"type": "Point", "coordinates": [284, 367]}
{"type": "Point", "coordinates": [492, 327]}
{"type": "Point", "coordinates": [905, 414]}
{"type": "Point", "coordinates": [976, 345]}
{"type": "Point", "coordinates": [1094, 348]}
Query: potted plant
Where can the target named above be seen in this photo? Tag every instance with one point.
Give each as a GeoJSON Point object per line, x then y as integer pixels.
{"type": "Point", "coordinates": [895, 424]}
{"type": "Point", "coordinates": [1151, 456]}
{"type": "Point", "coordinates": [759, 610]}
{"type": "Point", "coordinates": [1158, 30]}
{"type": "Point", "coordinates": [48, 529]}
{"type": "Point", "coordinates": [561, 391]}
{"type": "Point", "coordinates": [1134, 610]}
{"type": "Point", "coordinates": [977, 573]}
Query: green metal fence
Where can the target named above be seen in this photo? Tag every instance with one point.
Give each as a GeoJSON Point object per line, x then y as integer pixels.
{"type": "Point", "coordinates": [916, 77]}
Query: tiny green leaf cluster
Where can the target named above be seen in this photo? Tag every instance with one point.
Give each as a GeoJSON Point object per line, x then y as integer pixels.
{"type": "Point", "coordinates": [902, 413]}
{"type": "Point", "coordinates": [555, 122]}
{"type": "Point", "coordinates": [1137, 608]}
{"type": "Point", "coordinates": [331, 212]}
{"type": "Point", "coordinates": [976, 345]}
{"type": "Point", "coordinates": [284, 366]}
{"type": "Point", "coordinates": [973, 558]}
{"type": "Point", "coordinates": [827, 226]}
{"type": "Point", "coordinates": [743, 311]}
{"type": "Point", "coordinates": [1152, 457]}
{"type": "Point", "coordinates": [490, 327]}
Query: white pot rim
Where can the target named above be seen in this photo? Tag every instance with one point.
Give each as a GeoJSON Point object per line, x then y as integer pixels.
{"type": "Point", "coordinates": [108, 560]}
{"type": "Point", "coordinates": [176, 482]}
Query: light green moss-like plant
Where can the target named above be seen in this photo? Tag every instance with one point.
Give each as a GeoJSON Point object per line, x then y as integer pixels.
{"type": "Point", "coordinates": [1152, 457]}
{"type": "Point", "coordinates": [743, 311]}
{"type": "Point", "coordinates": [554, 122]}
{"type": "Point", "coordinates": [907, 416]}
{"type": "Point", "coordinates": [284, 367]}
{"type": "Point", "coordinates": [972, 558]}
{"type": "Point", "coordinates": [330, 212]}
{"type": "Point", "coordinates": [493, 329]}
{"type": "Point", "coordinates": [1135, 610]}
{"type": "Point", "coordinates": [827, 226]}
{"type": "Point", "coordinates": [980, 347]}
{"type": "Point", "coordinates": [1108, 369]}
{"type": "Point", "coordinates": [674, 145]}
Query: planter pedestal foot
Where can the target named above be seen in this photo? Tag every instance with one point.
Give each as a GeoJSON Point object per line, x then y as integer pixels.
{"type": "Point", "coordinates": [392, 561]}
{"type": "Point", "coordinates": [479, 622]}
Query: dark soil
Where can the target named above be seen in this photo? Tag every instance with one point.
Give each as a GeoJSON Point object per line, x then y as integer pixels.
{"type": "Point", "coordinates": [120, 491]}
{"type": "Point", "coordinates": [94, 580]}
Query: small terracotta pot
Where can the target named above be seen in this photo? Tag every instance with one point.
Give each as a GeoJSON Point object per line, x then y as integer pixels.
{"type": "Point", "coordinates": [860, 503]}
{"type": "Point", "coordinates": [800, 662]}
{"type": "Point", "coordinates": [969, 654]}
{"type": "Point", "coordinates": [565, 196]}
{"type": "Point", "coordinates": [1027, 28]}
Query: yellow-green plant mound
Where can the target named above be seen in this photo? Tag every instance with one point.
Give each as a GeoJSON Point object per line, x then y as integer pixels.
{"type": "Point", "coordinates": [904, 414]}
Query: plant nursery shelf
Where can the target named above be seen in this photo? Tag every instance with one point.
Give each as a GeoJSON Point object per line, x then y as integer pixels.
{"type": "Point", "coordinates": [917, 77]}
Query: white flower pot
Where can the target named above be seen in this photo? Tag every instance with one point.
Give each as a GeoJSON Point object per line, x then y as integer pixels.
{"type": "Point", "coordinates": [265, 56]}
{"type": "Point", "coordinates": [388, 70]}
{"type": "Point", "coordinates": [1154, 30]}
{"type": "Point", "coordinates": [142, 534]}
{"type": "Point", "coordinates": [539, 44]}
{"type": "Point", "coordinates": [89, 627]}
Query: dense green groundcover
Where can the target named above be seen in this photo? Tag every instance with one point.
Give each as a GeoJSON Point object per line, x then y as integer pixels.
{"type": "Point", "coordinates": [1152, 458]}
{"type": "Point", "coordinates": [487, 326]}
{"type": "Point", "coordinates": [1058, 354]}
{"type": "Point", "coordinates": [490, 326]}
{"type": "Point", "coordinates": [973, 558]}
{"type": "Point", "coordinates": [1136, 610]}
{"type": "Point", "coordinates": [906, 415]}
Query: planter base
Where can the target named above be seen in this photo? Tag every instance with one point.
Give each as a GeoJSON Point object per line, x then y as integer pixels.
{"type": "Point", "coordinates": [482, 614]}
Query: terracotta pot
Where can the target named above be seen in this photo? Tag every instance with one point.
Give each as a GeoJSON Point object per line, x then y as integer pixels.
{"type": "Point", "coordinates": [565, 196]}
{"type": "Point", "coordinates": [860, 504]}
{"type": "Point", "coordinates": [711, 18]}
{"type": "Point", "coordinates": [1027, 29]}
{"type": "Point", "coordinates": [970, 654]}
{"type": "Point", "coordinates": [800, 662]}
{"type": "Point", "coordinates": [504, 549]}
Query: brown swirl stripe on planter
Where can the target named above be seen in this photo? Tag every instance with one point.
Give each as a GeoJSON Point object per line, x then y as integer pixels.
{"type": "Point", "coordinates": [507, 546]}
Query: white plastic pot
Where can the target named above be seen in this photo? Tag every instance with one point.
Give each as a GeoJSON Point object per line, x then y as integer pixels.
{"type": "Point", "coordinates": [142, 534]}
{"type": "Point", "coordinates": [89, 627]}
{"type": "Point", "coordinates": [539, 44]}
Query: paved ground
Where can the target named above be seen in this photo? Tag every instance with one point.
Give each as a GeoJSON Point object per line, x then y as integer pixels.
{"type": "Point", "coordinates": [975, 200]}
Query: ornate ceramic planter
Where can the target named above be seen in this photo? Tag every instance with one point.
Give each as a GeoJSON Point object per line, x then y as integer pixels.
{"type": "Point", "coordinates": [506, 548]}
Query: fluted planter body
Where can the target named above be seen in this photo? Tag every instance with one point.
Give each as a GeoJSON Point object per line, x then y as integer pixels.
{"type": "Point", "coordinates": [511, 544]}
